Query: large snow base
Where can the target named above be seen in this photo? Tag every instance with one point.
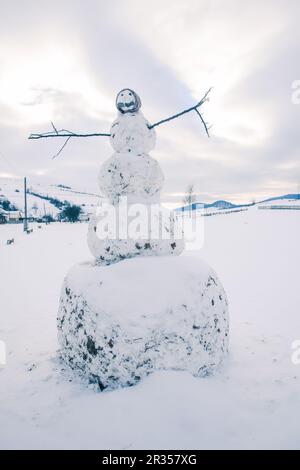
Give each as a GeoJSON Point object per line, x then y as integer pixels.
{"type": "Point", "coordinates": [118, 323]}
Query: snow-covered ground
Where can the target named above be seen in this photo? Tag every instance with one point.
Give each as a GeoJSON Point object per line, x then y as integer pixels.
{"type": "Point", "coordinates": [254, 402]}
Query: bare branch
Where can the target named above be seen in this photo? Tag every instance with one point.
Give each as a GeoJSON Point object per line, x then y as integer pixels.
{"type": "Point", "coordinates": [59, 152]}
{"type": "Point", "coordinates": [64, 133]}
{"type": "Point", "coordinates": [55, 130]}
{"type": "Point", "coordinates": [193, 108]}
{"type": "Point", "coordinates": [203, 122]}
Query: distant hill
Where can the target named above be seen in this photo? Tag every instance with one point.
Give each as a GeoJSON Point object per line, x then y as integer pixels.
{"type": "Point", "coordinates": [292, 197]}
{"type": "Point", "coordinates": [222, 205]}
{"type": "Point", "coordinates": [225, 205]}
{"type": "Point", "coordinates": [50, 199]}
{"type": "Point", "coordinates": [219, 205]}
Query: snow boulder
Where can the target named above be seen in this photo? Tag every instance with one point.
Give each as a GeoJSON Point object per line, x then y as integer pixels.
{"type": "Point", "coordinates": [118, 323]}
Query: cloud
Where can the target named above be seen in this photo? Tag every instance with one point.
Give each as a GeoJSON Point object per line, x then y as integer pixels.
{"type": "Point", "coordinates": [65, 61]}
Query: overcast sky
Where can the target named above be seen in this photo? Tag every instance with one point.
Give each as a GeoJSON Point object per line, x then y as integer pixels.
{"type": "Point", "coordinates": [65, 60]}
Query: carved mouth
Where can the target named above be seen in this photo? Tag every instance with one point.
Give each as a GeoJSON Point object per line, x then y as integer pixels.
{"type": "Point", "coordinates": [123, 106]}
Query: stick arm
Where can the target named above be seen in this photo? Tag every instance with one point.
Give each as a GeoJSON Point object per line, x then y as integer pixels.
{"type": "Point", "coordinates": [193, 108]}
{"type": "Point", "coordinates": [65, 134]}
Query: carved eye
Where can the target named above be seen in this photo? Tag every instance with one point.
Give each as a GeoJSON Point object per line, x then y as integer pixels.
{"type": "Point", "coordinates": [130, 94]}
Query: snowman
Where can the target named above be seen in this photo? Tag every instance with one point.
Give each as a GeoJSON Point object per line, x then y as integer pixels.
{"type": "Point", "coordinates": [133, 177]}
{"type": "Point", "coordinates": [138, 308]}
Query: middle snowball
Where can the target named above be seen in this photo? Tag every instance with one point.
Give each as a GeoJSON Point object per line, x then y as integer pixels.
{"type": "Point", "coordinates": [138, 177]}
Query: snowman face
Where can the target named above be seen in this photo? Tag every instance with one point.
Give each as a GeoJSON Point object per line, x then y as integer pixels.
{"type": "Point", "coordinates": [128, 101]}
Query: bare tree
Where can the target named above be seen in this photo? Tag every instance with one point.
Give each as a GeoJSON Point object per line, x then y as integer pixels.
{"type": "Point", "coordinates": [34, 209]}
{"type": "Point", "coordinates": [189, 197]}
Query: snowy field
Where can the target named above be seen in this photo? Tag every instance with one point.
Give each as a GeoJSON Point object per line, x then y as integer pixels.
{"type": "Point", "coordinates": [254, 402]}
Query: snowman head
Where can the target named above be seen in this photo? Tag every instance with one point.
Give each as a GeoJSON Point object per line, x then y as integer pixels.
{"type": "Point", "coordinates": [128, 101]}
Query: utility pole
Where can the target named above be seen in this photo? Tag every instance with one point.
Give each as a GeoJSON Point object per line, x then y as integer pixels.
{"type": "Point", "coordinates": [25, 206]}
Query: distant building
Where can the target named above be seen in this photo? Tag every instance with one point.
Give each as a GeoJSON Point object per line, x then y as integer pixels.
{"type": "Point", "coordinates": [14, 216]}
{"type": "Point", "coordinates": [84, 217]}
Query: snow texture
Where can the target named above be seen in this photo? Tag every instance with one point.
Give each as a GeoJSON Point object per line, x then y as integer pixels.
{"type": "Point", "coordinates": [120, 322]}
{"type": "Point", "coordinates": [138, 177]}
{"type": "Point", "coordinates": [253, 402]}
{"type": "Point", "coordinates": [166, 242]}
{"type": "Point", "coordinates": [130, 133]}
